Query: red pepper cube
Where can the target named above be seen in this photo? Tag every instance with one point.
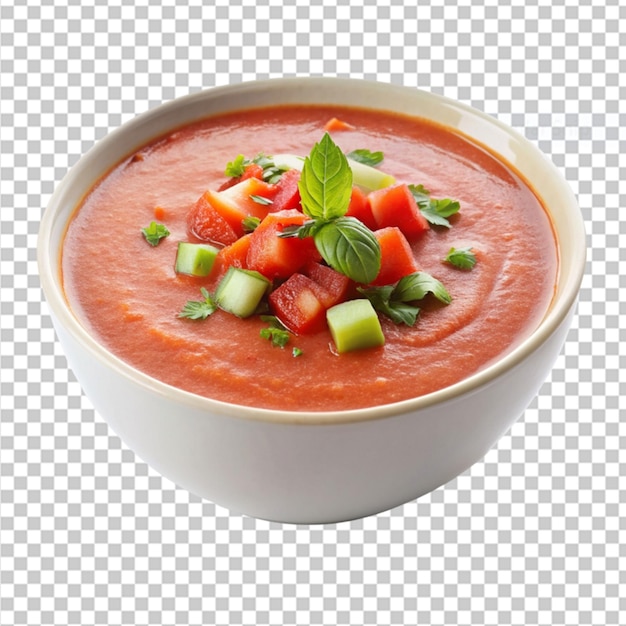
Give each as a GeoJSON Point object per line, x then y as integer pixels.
{"type": "Point", "coordinates": [360, 208]}
{"type": "Point", "coordinates": [278, 257]}
{"type": "Point", "coordinates": [335, 124]}
{"type": "Point", "coordinates": [396, 256]}
{"type": "Point", "coordinates": [206, 224]}
{"type": "Point", "coordinates": [227, 209]}
{"type": "Point", "coordinates": [287, 194]}
{"type": "Point", "coordinates": [396, 206]}
{"type": "Point", "coordinates": [238, 202]}
{"type": "Point", "coordinates": [233, 255]}
{"type": "Point", "coordinates": [251, 196]}
{"type": "Point", "coordinates": [334, 287]}
{"type": "Point", "coordinates": [296, 305]}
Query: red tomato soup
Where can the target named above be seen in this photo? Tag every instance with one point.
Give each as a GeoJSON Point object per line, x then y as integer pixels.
{"type": "Point", "coordinates": [129, 296]}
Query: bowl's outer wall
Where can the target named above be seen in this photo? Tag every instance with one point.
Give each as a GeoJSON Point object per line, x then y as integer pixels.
{"type": "Point", "coordinates": [328, 470]}
{"type": "Point", "coordinates": [320, 473]}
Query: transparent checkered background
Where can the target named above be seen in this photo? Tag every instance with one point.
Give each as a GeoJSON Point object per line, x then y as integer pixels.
{"type": "Point", "coordinates": [535, 534]}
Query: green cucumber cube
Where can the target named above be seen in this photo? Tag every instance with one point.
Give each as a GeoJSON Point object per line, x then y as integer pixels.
{"type": "Point", "coordinates": [195, 259]}
{"type": "Point", "coordinates": [354, 325]}
{"type": "Point", "coordinates": [369, 178]}
{"type": "Point", "coordinates": [240, 291]}
{"type": "Point", "coordinates": [365, 176]}
{"type": "Point", "coordinates": [290, 161]}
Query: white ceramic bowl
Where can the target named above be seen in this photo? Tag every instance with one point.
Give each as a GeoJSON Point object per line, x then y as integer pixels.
{"type": "Point", "coordinates": [314, 467]}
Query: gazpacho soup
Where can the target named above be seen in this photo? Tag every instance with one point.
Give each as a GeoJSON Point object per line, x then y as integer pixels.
{"type": "Point", "coordinates": [310, 258]}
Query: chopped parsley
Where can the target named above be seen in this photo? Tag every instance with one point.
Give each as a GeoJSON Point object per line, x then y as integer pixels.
{"type": "Point", "coordinates": [154, 233]}
{"type": "Point", "coordinates": [236, 167]}
{"type": "Point", "coordinates": [275, 331]}
{"type": "Point", "coordinates": [435, 211]}
{"type": "Point", "coordinates": [271, 172]}
{"type": "Point", "coordinates": [260, 200]}
{"type": "Point", "coordinates": [199, 310]}
{"type": "Point", "coordinates": [250, 223]}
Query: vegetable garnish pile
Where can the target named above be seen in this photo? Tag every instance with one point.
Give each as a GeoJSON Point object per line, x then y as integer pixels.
{"type": "Point", "coordinates": [314, 244]}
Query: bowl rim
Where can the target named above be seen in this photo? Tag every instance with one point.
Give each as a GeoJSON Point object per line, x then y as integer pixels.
{"type": "Point", "coordinates": [51, 281]}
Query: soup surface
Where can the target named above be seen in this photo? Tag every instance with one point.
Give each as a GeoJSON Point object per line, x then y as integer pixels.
{"type": "Point", "coordinates": [128, 295]}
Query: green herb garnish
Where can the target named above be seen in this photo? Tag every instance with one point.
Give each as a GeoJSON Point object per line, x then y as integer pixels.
{"type": "Point", "coordinates": [345, 243]}
{"type": "Point", "coordinates": [236, 167]}
{"type": "Point", "coordinates": [435, 211]}
{"type": "Point", "coordinates": [463, 258]}
{"type": "Point", "coordinates": [154, 233]}
{"type": "Point", "coordinates": [195, 310]}
{"type": "Point", "coordinates": [417, 285]}
{"type": "Point", "coordinates": [260, 200]}
{"type": "Point", "coordinates": [366, 157]}
{"type": "Point", "coordinates": [396, 302]}
{"type": "Point", "coordinates": [383, 300]}
{"type": "Point", "coordinates": [275, 331]}
{"type": "Point", "coordinates": [296, 351]}
{"type": "Point", "coordinates": [250, 223]}
{"type": "Point", "coordinates": [271, 172]}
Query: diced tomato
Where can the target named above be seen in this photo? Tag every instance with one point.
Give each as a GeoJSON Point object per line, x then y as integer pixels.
{"type": "Point", "coordinates": [295, 304]}
{"type": "Point", "coordinates": [233, 255]}
{"type": "Point", "coordinates": [251, 171]}
{"type": "Point", "coordinates": [396, 256]}
{"type": "Point", "coordinates": [359, 208]}
{"type": "Point", "coordinates": [241, 192]}
{"type": "Point", "coordinates": [288, 194]}
{"type": "Point", "coordinates": [334, 287]}
{"type": "Point", "coordinates": [335, 123]}
{"type": "Point", "coordinates": [206, 224]}
{"type": "Point", "coordinates": [236, 203]}
{"type": "Point", "coordinates": [396, 206]}
{"type": "Point", "coordinates": [227, 209]}
{"type": "Point", "coordinates": [277, 257]}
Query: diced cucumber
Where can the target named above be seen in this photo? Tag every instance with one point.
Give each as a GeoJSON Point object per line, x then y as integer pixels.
{"type": "Point", "coordinates": [290, 161]}
{"type": "Point", "coordinates": [369, 178]}
{"type": "Point", "coordinates": [365, 176]}
{"type": "Point", "coordinates": [240, 291]}
{"type": "Point", "coordinates": [353, 325]}
{"type": "Point", "coordinates": [195, 259]}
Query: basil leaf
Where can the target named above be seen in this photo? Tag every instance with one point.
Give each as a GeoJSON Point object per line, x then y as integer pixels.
{"type": "Point", "coordinates": [382, 300]}
{"type": "Point", "coordinates": [366, 157]}
{"type": "Point", "coordinates": [301, 231]}
{"type": "Point", "coordinates": [415, 286]}
{"type": "Point", "coordinates": [403, 313]}
{"type": "Point", "coordinates": [349, 247]}
{"type": "Point", "coordinates": [326, 181]}
{"type": "Point", "coordinates": [463, 258]}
